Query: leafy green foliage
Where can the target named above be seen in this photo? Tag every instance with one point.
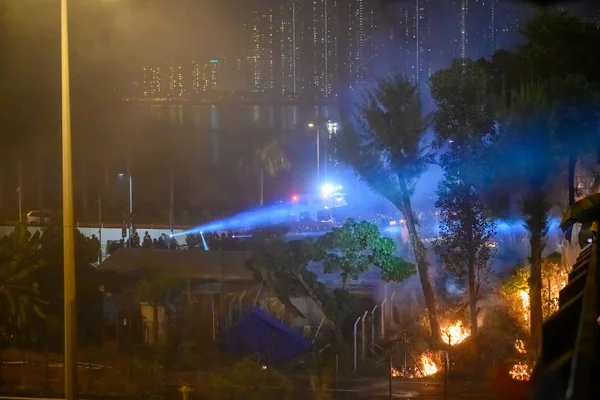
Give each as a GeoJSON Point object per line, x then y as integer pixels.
{"type": "Point", "coordinates": [558, 50]}
{"type": "Point", "coordinates": [466, 231]}
{"type": "Point", "coordinates": [465, 127]}
{"type": "Point", "coordinates": [49, 274]}
{"type": "Point", "coordinates": [558, 45]}
{"type": "Point", "coordinates": [20, 297]}
{"type": "Point", "coordinates": [384, 146]}
{"type": "Point", "coordinates": [358, 246]}
{"type": "Point", "coordinates": [464, 112]}
{"type": "Point", "coordinates": [288, 268]}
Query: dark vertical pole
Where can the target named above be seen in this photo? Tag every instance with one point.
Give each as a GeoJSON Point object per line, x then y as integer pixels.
{"type": "Point", "coordinates": [100, 229]}
{"type": "Point", "coordinates": [572, 162]}
{"type": "Point", "coordinates": [390, 377]}
{"type": "Point", "coordinates": [405, 352]}
{"type": "Point", "coordinates": [549, 297]}
{"type": "Point", "coordinates": [337, 375]}
{"type": "Point", "coordinates": [448, 355]}
{"type": "Point", "coordinates": [171, 200]}
{"type": "Point", "coordinates": [446, 366]}
{"type": "Point", "coordinates": [20, 188]}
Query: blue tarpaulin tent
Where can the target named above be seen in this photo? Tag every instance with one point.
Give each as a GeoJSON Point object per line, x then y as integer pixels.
{"type": "Point", "coordinates": [259, 332]}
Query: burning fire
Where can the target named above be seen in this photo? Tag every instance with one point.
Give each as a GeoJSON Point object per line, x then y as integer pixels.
{"type": "Point", "coordinates": [525, 304]}
{"type": "Point", "coordinates": [426, 367]}
{"type": "Point", "coordinates": [520, 371]}
{"type": "Point", "coordinates": [455, 333]}
{"type": "Point", "coordinates": [520, 346]}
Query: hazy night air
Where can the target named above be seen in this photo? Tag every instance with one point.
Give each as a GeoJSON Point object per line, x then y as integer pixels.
{"type": "Point", "coordinates": [278, 198]}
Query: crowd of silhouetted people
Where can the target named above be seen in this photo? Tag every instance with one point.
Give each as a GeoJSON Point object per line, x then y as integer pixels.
{"type": "Point", "coordinates": [230, 241]}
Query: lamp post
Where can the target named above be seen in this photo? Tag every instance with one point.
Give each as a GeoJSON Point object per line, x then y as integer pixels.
{"type": "Point", "coordinates": [312, 125]}
{"type": "Point", "coordinates": [68, 226]}
{"type": "Point", "coordinates": [130, 206]}
{"type": "Point", "coordinates": [332, 128]}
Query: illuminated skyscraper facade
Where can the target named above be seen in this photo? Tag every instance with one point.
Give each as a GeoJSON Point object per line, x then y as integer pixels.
{"type": "Point", "coordinates": [360, 25]}
{"type": "Point", "coordinates": [211, 76]}
{"type": "Point", "coordinates": [197, 77]}
{"type": "Point", "coordinates": [175, 82]}
{"type": "Point", "coordinates": [304, 47]}
{"type": "Point", "coordinates": [429, 34]}
{"type": "Point", "coordinates": [324, 43]}
{"type": "Point", "coordinates": [260, 31]}
{"type": "Point", "coordinates": [315, 49]}
{"type": "Point", "coordinates": [412, 34]}
{"type": "Point", "coordinates": [292, 35]}
{"type": "Point", "coordinates": [152, 81]}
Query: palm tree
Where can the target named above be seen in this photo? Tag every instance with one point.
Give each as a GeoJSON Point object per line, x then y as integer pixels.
{"type": "Point", "coordinates": [384, 145]}
{"type": "Point", "coordinates": [267, 157]}
{"type": "Point", "coordinates": [528, 154]}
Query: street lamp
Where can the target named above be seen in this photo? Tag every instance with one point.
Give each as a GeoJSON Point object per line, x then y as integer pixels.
{"type": "Point", "coordinates": [311, 125]}
{"type": "Point", "coordinates": [70, 310]}
{"type": "Point", "coordinates": [130, 205]}
{"type": "Point", "coordinates": [332, 128]}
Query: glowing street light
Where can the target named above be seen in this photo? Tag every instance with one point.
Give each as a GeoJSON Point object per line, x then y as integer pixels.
{"type": "Point", "coordinates": [332, 128]}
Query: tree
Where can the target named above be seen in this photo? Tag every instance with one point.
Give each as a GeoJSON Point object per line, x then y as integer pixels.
{"type": "Point", "coordinates": [383, 142]}
{"type": "Point", "coordinates": [158, 292]}
{"type": "Point", "coordinates": [286, 267]}
{"type": "Point", "coordinates": [20, 296]}
{"type": "Point", "coordinates": [464, 125]}
{"type": "Point", "coordinates": [50, 276]}
{"type": "Point", "coordinates": [267, 157]}
{"type": "Point", "coordinates": [465, 243]}
{"type": "Point", "coordinates": [559, 50]}
{"type": "Point", "coordinates": [527, 154]}
{"type": "Point", "coordinates": [356, 247]}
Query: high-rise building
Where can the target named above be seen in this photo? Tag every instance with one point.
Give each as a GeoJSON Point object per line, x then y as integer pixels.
{"type": "Point", "coordinates": [175, 81]}
{"type": "Point", "coordinates": [308, 58]}
{"type": "Point", "coordinates": [260, 57]}
{"type": "Point", "coordinates": [324, 44]}
{"type": "Point", "coordinates": [197, 78]}
{"type": "Point", "coordinates": [152, 81]}
{"type": "Point", "coordinates": [359, 21]}
{"type": "Point", "coordinates": [291, 38]}
{"type": "Point", "coordinates": [211, 76]}
{"type": "Point", "coordinates": [412, 33]}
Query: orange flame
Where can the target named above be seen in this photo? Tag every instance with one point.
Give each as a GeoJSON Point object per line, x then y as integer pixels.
{"type": "Point", "coordinates": [525, 304]}
{"type": "Point", "coordinates": [520, 371]}
{"type": "Point", "coordinates": [426, 367]}
{"type": "Point", "coordinates": [520, 346]}
{"type": "Point", "coordinates": [455, 333]}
